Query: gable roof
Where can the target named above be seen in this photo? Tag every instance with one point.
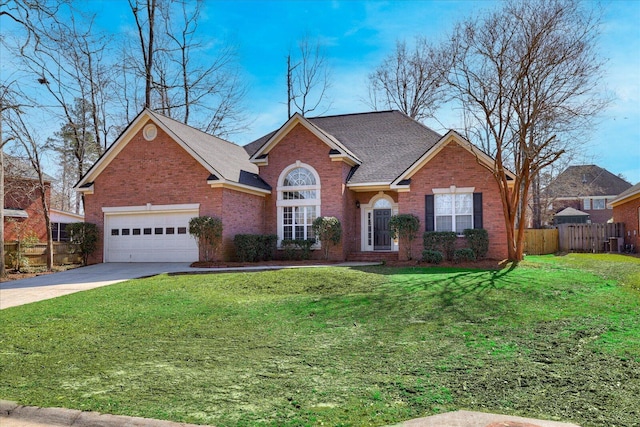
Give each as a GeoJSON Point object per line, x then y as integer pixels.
{"type": "Point", "coordinates": [226, 162]}
{"type": "Point", "coordinates": [451, 136]}
{"type": "Point", "coordinates": [384, 143]}
{"type": "Point", "coordinates": [628, 195]}
{"type": "Point", "coordinates": [15, 167]}
{"type": "Point", "coordinates": [586, 180]}
{"type": "Point", "coordinates": [571, 212]}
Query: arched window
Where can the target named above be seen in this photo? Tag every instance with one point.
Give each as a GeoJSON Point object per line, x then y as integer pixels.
{"type": "Point", "coordinates": [298, 201]}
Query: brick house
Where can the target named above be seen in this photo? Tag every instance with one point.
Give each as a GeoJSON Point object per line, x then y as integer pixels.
{"type": "Point", "coordinates": [360, 168]}
{"type": "Point", "coordinates": [587, 188]}
{"type": "Point", "coordinates": [23, 209]}
{"type": "Point", "coordinates": [626, 209]}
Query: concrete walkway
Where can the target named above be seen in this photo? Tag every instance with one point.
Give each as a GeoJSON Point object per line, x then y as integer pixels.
{"type": "Point", "coordinates": [19, 292]}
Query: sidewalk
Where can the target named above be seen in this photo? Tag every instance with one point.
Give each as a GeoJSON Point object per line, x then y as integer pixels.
{"type": "Point", "coordinates": [13, 415]}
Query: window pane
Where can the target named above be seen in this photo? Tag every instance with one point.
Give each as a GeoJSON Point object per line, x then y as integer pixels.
{"type": "Point", "coordinates": [587, 204]}
{"type": "Point", "coordinates": [299, 232]}
{"type": "Point", "coordinates": [443, 223]}
{"type": "Point", "coordinates": [288, 216]}
{"type": "Point", "coordinates": [298, 177]}
{"type": "Point", "coordinates": [299, 216]}
{"type": "Point", "coordinates": [182, 230]}
{"type": "Point", "coordinates": [311, 214]}
{"type": "Point", "coordinates": [147, 231]}
{"type": "Point", "coordinates": [115, 231]}
{"type": "Point", "coordinates": [64, 237]}
{"type": "Point", "coordinates": [464, 204]}
{"type": "Point", "coordinates": [54, 231]}
{"type": "Point", "coordinates": [598, 204]}
{"type": "Point", "coordinates": [125, 231]}
{"type": "Point", "coordinates": [287, 232]}
{"type": "Point", "coordinates": [382, 204]}
{"type": "Point", "coordinates": [136, 231]}
{"type": "Point", "coordinates": [158, 230]}
{"type": "Point", "coordinates": [171, 230]}
{"type": "Point", "coordinates": [444, 204]}
{"type": "Point", "coordinates": [463, 222]}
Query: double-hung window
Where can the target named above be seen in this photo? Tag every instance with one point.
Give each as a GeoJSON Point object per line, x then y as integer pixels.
{"type": "Point", "coordinates": [454, 212]}
{"type": "Point", "coordinates": [298, 202]}
{"type": "Point", "coordinates": [453, 209]}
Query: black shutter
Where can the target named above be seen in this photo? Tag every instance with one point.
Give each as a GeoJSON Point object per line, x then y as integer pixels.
{"type": "Point", "coordinates": [429, 217]}
{"type": "Point", "coordinates": [477, 210]}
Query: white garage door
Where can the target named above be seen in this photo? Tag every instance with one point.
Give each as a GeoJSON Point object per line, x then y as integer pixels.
{"type": "Point", "coordinates": [149, 236]}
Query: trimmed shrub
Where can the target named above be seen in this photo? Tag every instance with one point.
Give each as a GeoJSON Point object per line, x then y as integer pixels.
{"type": "Point", "coordinates": [404, 227]}
{"type": "Point", "coordinates": [328, 230]}
{"type": "Point", "coordinates": [432, 257]}
{"type": "Point", "coordinates": [464, 254]}
{"type": "Point", "coordinates": [255, 247]}
{"type": "Point", "coordinates": [207, 231]}
{"type": "Point", "coordinates": [297, 248]}
{"type": "Point", "coordinates": [443, 241]}
{"type": "Point", "coordinates": [85, 236]}
{"type": "Point", "coordinates": [478, 240]}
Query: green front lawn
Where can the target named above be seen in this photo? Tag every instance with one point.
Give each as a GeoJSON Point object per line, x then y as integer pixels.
{"type": "Point", "coordinates": [556, 338]}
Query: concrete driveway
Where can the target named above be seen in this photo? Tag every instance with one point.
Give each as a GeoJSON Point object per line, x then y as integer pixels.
{"type": "Point", "coordinates": [25, 291]}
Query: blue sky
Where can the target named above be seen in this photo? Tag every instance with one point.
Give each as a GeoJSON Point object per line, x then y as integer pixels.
{"type": "Point", "coordinates": [357, 35]}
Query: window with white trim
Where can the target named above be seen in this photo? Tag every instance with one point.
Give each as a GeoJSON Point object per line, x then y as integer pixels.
{"type": "Point", "coordinates": [587, 204]}
{"type": "Point", "coordinates": [453, 212]}
{"type": "Point", "coordinates": [298, 202]}
{"type": "Point", "coordinates": [599, 204]}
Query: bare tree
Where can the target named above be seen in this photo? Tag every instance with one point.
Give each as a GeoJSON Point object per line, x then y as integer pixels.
{"type": "Point", "coordinates": [527, 75]}
{"type": "Point", "coordinates": [308, 79]}
{"type": "Point", "coordinates": [33, 150]}
{"type": "Point", "coordinates": [411, 81]}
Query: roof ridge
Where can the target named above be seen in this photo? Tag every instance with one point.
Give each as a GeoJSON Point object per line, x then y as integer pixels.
{"type": "Point", "coordinates": [192, 127]}
{"type": "Point", "coordinates": [353, 114]}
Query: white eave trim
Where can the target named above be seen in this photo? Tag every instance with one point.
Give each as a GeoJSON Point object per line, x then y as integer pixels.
{"type": "Point", "coordinates": [370, 186]}
{"type": "Point", "coordinates": [626, 198]}
{"type": "Point", "coordinates": [218, 183]}
{"type": "Point", "coordinates": [123, 210]}
{"type": "Point", "coordinates": [85, 190]}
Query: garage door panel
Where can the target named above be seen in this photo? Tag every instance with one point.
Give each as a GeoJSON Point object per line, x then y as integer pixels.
{"type": "Point", "coordinates": [149, 237]}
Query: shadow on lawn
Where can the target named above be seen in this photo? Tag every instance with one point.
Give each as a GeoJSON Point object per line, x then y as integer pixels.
{"type": "Point", "coordinates": [463, 293]}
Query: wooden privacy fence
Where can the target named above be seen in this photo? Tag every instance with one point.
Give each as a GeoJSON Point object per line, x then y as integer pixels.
{"type": "Point", "coordinates": [589, 237]}
{"type": "Point", "coordinates": [63, 253]}
{"type": "Point", "coordinates": [540, 242]}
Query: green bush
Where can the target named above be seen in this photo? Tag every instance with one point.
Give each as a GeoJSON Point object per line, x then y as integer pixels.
{"type": "Point", "coordinates": [404, 227]}
{"type": "Point", "coordinates": [443, 241]}
{"type": "Point", "coordinates": [297, 248]}
{"type": "Point", "coordinates": [464, 254]}
{"type": "Point", "coordinates": [478, 240]}
{"type": "Point", "coordinates": [207, 231]}
{"type": "Point", "coordinates": [85, 236]}
{"type": "Point", "coordinates": [432, 257]}
{"type": "Point", "coordinates": [255, 247]}
{"type": "Point", "coordinates": [328, 230]}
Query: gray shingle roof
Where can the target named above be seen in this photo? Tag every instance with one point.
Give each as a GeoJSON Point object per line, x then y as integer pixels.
{"type": "Point", "coordinates": [587, 180]}
{"type": "Point", "coordinates": [227, 159]}
{"type": "Point", "coordinates": [16, 167]}
{"type": "Point", "coordinates": [628, 192]}
{"type": "Point", "coordinates": [387, 142]}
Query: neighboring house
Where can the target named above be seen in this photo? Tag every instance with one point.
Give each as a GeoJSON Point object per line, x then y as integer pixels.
{"type": "Point", "coordinates": [587, 188]}
{"type": "Point", "coordinates": [626, 209]}
{"type": "Point", "coordinates": [360, 168]}
{"type": "Point", "coordinates": [571, 216]}
{"type": "Point", "coordinates": [59, 221]}
{"type": "Point", "coordinates": [23, 210]}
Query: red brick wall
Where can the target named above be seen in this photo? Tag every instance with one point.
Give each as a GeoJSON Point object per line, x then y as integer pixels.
{"type": "Point", "coordinates": [26, 195]}
{"type": "Point", "coordinates": [161, 172]}
{"type": "Point", "coordinates": [628, 213]}
{"type": "Point", "coordinates": [300, 144]}
{"type": "Point", "coordinates": [454, 165]}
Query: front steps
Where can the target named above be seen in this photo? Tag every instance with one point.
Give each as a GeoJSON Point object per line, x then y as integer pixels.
{"type": "Point", "coordinates": [381, 256]}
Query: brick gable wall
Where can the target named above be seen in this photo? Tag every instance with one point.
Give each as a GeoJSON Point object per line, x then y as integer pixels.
{"type": "Point", "coordinates": [161, 172]}
{"type": "Point", "coordinates": [628, 213]}
{"type": "Point", "coordinates": [300, 144]}
{"type": "Point", "coordinates": [26, 195]}
{"type": "Point", "coordinates": [454, 165]}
